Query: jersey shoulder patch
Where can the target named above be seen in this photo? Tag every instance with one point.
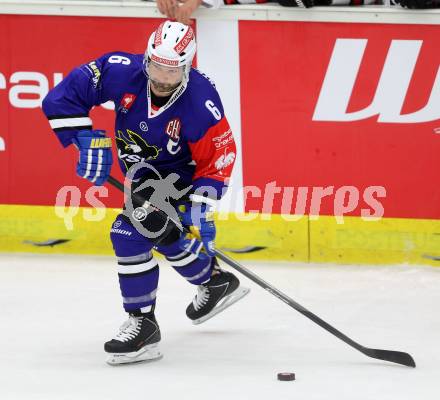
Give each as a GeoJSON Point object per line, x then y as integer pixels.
{"type": "Point", "coordinates": [110, 66]}
{"type": "Point", "coordinates": [114, 73]}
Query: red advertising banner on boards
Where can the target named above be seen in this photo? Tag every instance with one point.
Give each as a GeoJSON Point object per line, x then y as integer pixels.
{"type": "Point", "coordinates": [323, 105]}
{"type": "Point", "coordinates": [336, 105]}
{"type": "Point", "coordinates": [34, 166]}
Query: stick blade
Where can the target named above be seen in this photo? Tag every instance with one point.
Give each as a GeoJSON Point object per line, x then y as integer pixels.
{"type": "Point", "coordinates": [397, 357]}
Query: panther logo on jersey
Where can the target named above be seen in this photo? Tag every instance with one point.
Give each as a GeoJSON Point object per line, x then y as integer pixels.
{"type": "Point", "coordinates": [132, 148]}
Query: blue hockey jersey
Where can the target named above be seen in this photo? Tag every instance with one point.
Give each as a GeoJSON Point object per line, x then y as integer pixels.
{"type": "Point", "coordinates": [190, 136]}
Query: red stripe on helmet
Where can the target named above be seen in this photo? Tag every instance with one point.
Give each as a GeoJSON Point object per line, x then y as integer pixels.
{"type": "Point", "coordinates": [160, 60]}
{"type": "Point", "coordinates": [183, 43]}
{"type": "Point", "coordinates": [158, 35]}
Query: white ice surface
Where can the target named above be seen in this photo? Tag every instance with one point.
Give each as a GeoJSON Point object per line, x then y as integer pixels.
{"type": "Point", "coordinates": [57, 311]}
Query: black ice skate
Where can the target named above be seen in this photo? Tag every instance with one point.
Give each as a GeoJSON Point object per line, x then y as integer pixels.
{"type": "Point", "coordinates": [220, 292]}
{"type": "Point", "coordinates": [137, 340]}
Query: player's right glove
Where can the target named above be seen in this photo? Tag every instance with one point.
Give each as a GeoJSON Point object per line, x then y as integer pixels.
{"type": "Point", "coordinates": [95, 156]}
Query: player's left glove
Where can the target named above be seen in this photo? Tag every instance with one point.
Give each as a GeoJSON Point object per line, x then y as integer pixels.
{"type": "Point", "coordinates": [199, 213]}
{"type": "Point", "coordinates": [95, 156]}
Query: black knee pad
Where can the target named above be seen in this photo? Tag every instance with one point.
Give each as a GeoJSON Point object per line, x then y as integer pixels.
{"type": "Point", "coordinates": [154, 225]}
{"type": "Point", "coordinates": [149, 220]}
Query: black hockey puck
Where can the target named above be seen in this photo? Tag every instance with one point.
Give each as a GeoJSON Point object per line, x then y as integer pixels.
{"type": "Point", "coordinates": [286, 376]}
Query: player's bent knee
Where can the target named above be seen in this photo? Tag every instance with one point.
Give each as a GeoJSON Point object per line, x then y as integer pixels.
{"type": "Point", "coordinates": [171, 235]}
{"type": "Point", "coordinates": [126, 240]}
{"type": "Point", "coordinates": [154, 227]}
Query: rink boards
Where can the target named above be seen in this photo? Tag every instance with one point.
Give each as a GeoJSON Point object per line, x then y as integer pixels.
{"type": "Point", "coordinates": [388, 241]}
{"type": "Point", "coordinates": [351, 110]}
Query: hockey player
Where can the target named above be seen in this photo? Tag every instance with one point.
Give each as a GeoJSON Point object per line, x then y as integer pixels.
{"type": "Point", "coordinates": [169, 120]}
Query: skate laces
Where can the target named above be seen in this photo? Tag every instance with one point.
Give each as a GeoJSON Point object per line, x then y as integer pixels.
{"type": "Point", "coordinates": [129, 329]}
{"type": "Point", "coordinates": [201, 298]}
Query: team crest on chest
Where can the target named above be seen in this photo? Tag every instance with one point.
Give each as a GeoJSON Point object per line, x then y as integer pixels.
{"type": "Point", "coordinates": [132, 148]}
{"type": "Point", "coordinates": [173, 129]}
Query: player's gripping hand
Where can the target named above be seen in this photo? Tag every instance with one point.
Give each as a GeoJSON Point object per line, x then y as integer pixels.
{"type": "Point", "coordinates": [95, 156]}
{"type": "Point", "coordinates": [200, 215]}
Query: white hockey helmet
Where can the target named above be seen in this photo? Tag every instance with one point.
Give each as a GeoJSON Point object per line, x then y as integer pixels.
{"type": "Point", "coordinates": [173, 45]}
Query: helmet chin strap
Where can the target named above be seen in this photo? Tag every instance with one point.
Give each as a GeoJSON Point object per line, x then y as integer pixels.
{"type": "Point", "coordinates": [175, 94]}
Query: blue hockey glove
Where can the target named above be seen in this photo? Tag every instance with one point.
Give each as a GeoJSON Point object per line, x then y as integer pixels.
{"type": "Point", "coordinates": [200, 215]}
{"type": "Point", "coordinates": [95, 156]}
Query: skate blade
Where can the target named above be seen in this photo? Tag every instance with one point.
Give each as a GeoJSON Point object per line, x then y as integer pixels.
{"type": "Point", "coordinates": [148, 353]}
{"type": "Point", "coordinates": [239, 293]}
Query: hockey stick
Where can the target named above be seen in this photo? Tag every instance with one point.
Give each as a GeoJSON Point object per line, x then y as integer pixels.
{"type": "Point", "coordinates": [386, 355]}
